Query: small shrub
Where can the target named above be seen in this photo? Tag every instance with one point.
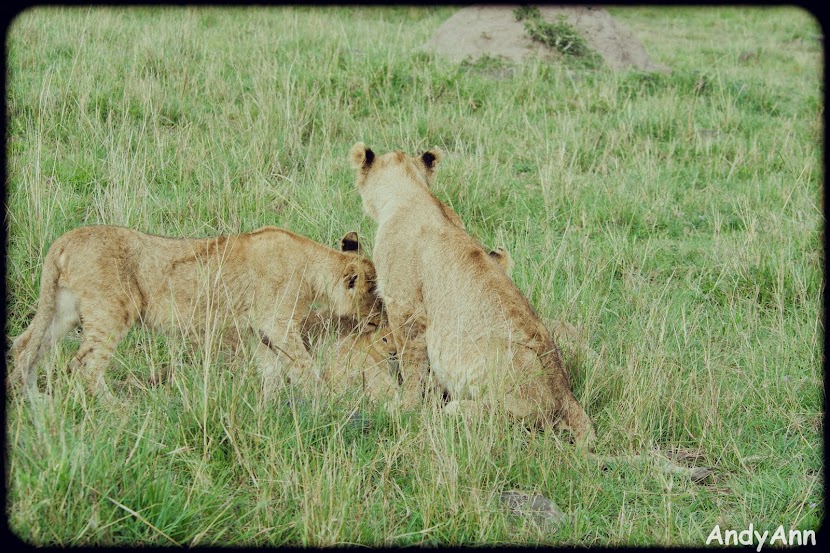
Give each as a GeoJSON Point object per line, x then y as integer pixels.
{"type": "Point", "coordinates": [561, 36]}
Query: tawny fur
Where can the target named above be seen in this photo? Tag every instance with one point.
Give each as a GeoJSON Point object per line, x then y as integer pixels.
{"type": "Point", "coordinates": [107, 278]}
{"type": "Point", "coordinates": [450, 305]}
{"type": "Point", "coordinates": [353, 355]}
{"type": "Point", "coordinates": [365, 355]}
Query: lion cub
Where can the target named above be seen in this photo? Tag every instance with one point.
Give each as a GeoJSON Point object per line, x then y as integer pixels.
{"type": "Point", "coordinates": [353, 355]}
{"type": "Point", "coordinates": [451, 307]}
{"type": "Point", "coordinates": [365, 355]}
{"type": "Point", "coordinates": [107, 278]}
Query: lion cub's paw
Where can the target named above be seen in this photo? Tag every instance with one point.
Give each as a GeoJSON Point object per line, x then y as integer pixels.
{"type": "Point", "coordinates": [461, 407]}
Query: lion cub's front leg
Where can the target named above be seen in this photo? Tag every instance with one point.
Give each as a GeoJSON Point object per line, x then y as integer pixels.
{"type": "Point", "coordinates": [281, 351]}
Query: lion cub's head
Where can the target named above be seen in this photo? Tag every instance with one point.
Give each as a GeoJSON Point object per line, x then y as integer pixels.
{"type": "Point", "coordinates": [356, 292]}
{"type": "Point", "coordinates": [378, 345]}
{"type": "Point", "coordinates": [391, 175]}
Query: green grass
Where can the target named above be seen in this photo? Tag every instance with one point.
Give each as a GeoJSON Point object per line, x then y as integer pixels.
{"type": "Point", "coordinates": [674, 219]}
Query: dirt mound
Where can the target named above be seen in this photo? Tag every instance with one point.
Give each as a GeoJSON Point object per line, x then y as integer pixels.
{"type": "Point", "coordinates": [476, 31]}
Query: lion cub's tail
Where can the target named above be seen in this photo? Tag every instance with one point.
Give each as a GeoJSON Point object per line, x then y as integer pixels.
{"type": "Point", "coordinates": [28, 348]}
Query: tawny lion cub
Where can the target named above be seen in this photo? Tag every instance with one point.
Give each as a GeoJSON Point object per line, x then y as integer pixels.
{"type": "Point", "coordinates": [353, 355]}
{"type": "Point", "coordinates": [107, 278]}
{"type": "Point", "coordinates": [451, 306]}
{"type": "Point", "coordinates": [364, 355]}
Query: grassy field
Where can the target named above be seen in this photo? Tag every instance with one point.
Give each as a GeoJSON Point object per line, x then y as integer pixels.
{"type": "Point", "coordinates": [674, 219]}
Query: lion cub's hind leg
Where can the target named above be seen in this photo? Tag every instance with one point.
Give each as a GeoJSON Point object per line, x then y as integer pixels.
{"type": "Point", "coordinates": [574, 419]}
{"type": "Point", "coordinates": [514, 406]}
{"type": "Point", "coordinates": [103, 328]}
{"type": "Point", "coordinates": [409, 334]}
{"type": "Point", "coordinates": [44, 332]}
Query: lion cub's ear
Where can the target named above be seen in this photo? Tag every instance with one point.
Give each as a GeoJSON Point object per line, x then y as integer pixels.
{"type": "Point", "coordinates": [350, 275]}
{"type": "Point", "coordinates": [360, 156]}
{"type": "Point", "coordinates": [350, 243]}
{"type": "Point", "coordinates": [504, 259]}
{"type": "Point", "coordinates": [429, 161]}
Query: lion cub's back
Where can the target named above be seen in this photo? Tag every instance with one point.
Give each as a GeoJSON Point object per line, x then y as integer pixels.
{"type": "Point", "coordinates": [476, 311]}
{"type": "Point", "coordinates": [466, 286]}
{"type": "Point", "coordinates": [101, 252]}
{"type": "Point", "coordinates": [274, 244]}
